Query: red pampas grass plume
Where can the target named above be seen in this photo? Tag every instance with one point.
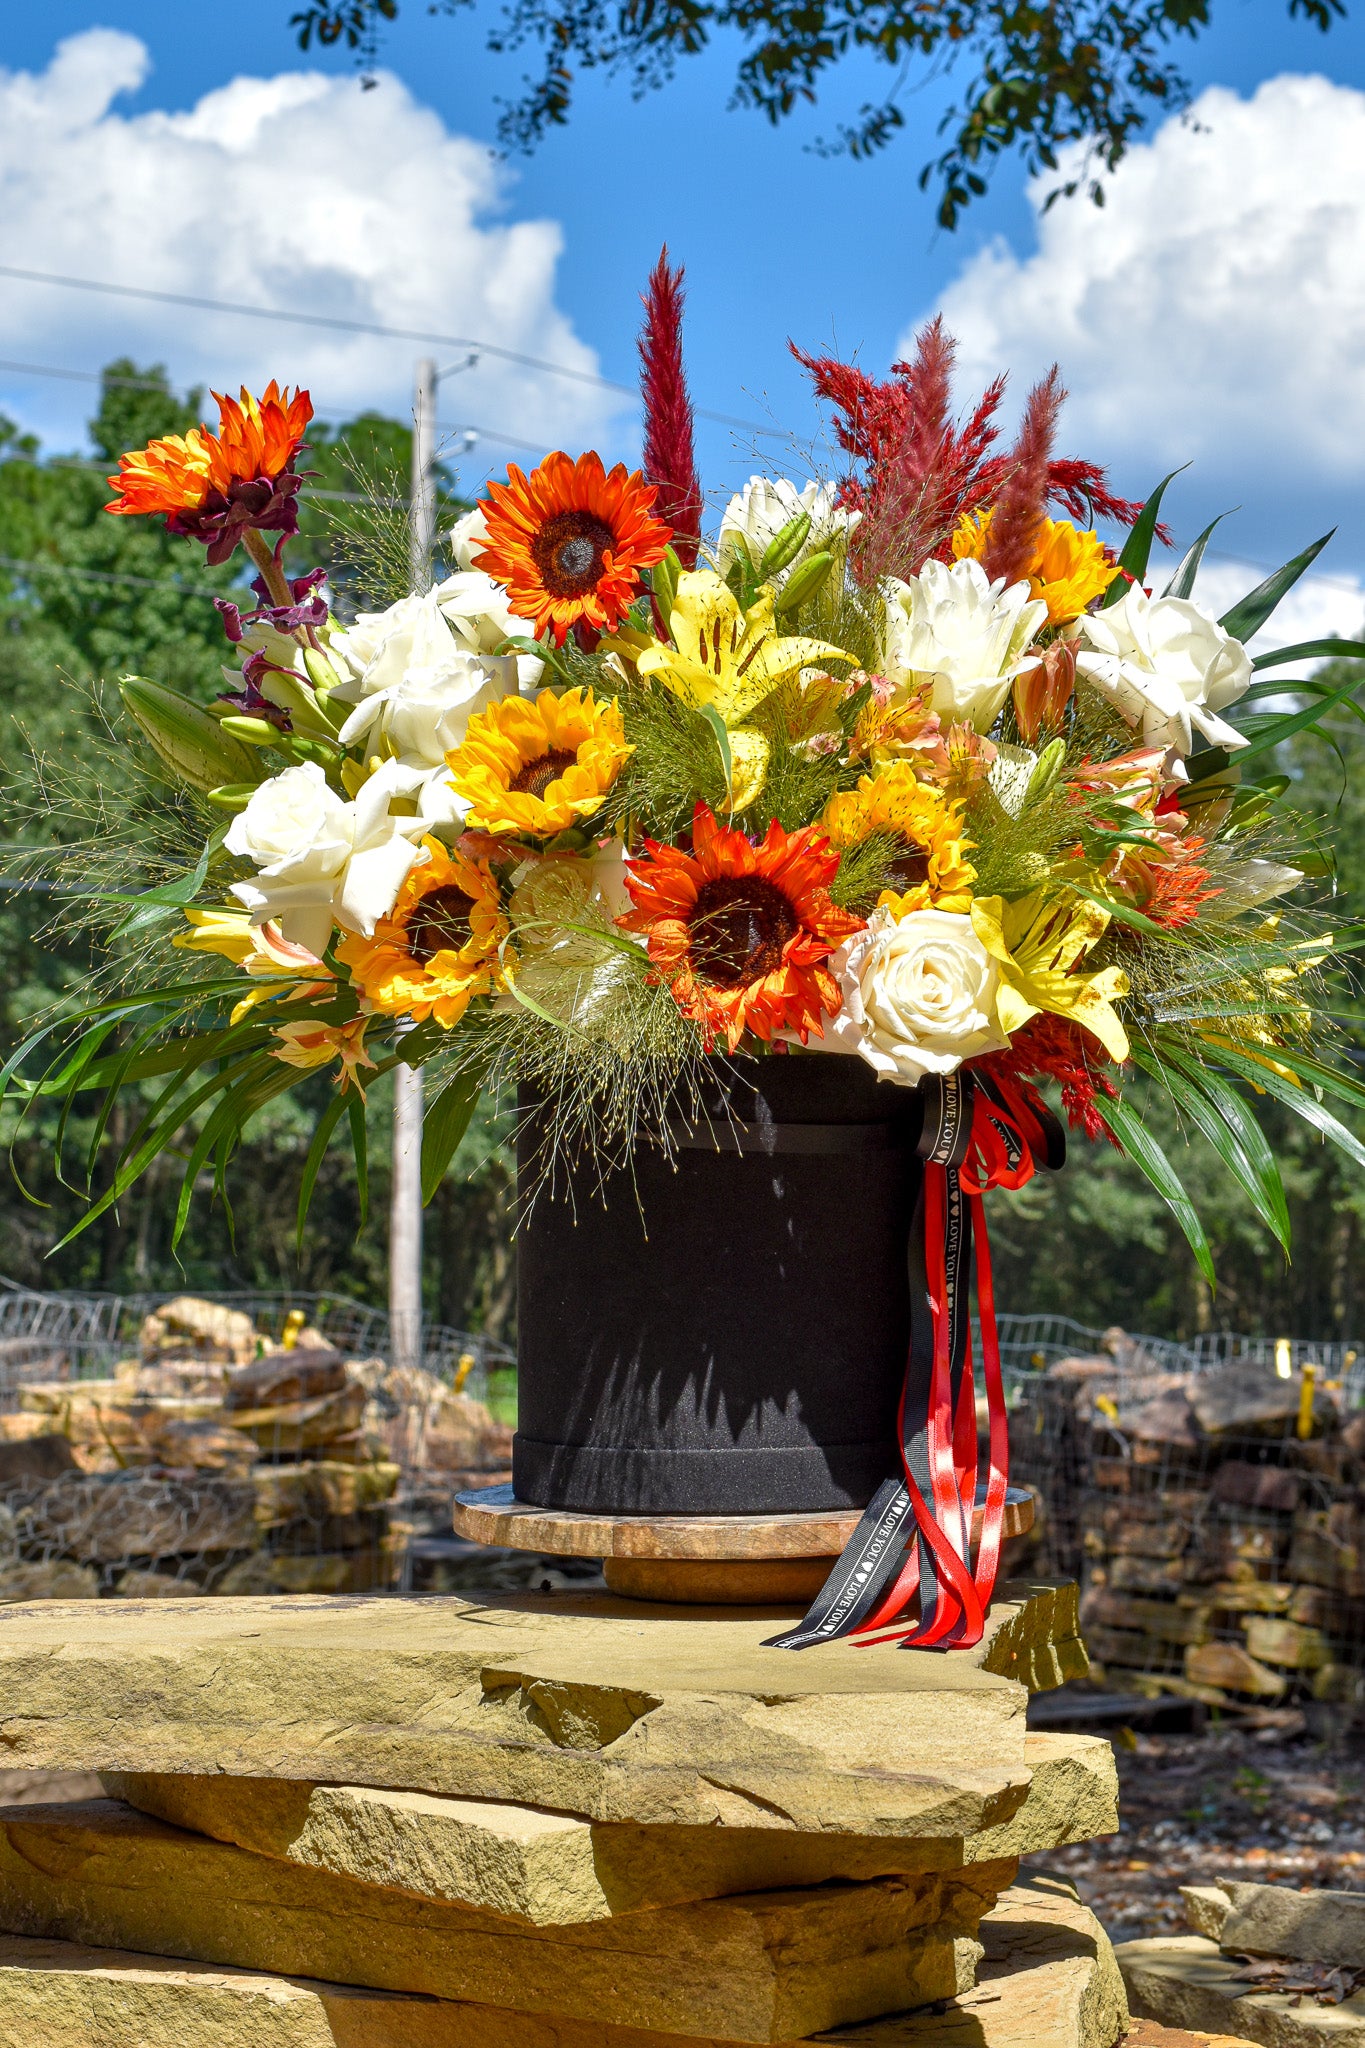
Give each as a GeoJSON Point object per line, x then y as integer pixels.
{"type": "Point", "coordinates": [1021, 507]}
{"type": "Point", "coordinates": [669, 462]}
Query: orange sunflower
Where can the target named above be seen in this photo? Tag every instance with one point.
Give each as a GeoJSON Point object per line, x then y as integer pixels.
{"type": "Point", "coordinates": [438, 948]}
{"type": "Point", "coordinates": [218, 487]}
{"type": "Point", "coordinates": [742, 932]}
{"type": "Point", "coordinates": [569, 541]}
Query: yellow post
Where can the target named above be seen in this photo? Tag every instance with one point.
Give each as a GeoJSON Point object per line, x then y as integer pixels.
{"type": "Point", "coordinates": [1310, 1373]}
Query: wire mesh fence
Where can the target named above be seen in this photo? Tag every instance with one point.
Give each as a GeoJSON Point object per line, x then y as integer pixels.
{"type": "Point", "coordinates": [1210, 1498]}
{"type": "Point", "coordinates": [154, 1445]}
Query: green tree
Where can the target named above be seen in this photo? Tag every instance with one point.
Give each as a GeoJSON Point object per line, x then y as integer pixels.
{"type": "Point", "coordinates": [1041, 77]}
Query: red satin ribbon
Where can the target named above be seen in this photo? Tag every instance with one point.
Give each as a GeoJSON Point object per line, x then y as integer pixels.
{"type": "Point", "coordinates": [1006, 1130]}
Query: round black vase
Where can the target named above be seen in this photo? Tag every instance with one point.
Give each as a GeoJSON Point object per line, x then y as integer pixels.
{"type": "Point", "coordinates": [723, 1331]}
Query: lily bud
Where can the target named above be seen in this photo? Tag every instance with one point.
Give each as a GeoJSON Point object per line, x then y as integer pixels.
{"type": "Point", "coordinates": [803, 583]}
{"type": "Point", "coordinates": [184, 737]}
{"type": "Point", "coordinates": [664, 581]}
{"type": "Point", "coordinates": [1042, 693]}
{"type": "Point", "coordinates": [320, 671]}
{"type": "Point", "coordinates": [784, 547]}
{"type": "Point", "coordinates": [232, 796]}
{"type": "Point", "coordinates": [257, 732]}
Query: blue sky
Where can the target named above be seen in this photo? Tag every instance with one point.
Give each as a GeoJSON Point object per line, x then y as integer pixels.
{"type": "Point", "coordinates": [1217, 309]}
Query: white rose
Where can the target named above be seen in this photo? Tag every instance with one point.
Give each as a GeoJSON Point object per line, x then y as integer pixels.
{"type": "Point", "coordinates": [415, 683]}
{"type": "Point", "coordinates": [479, 615]}
{"type": "Point", "coordinates": [767, 504]}
{"type": "Point", "coordinates": [1166, 666]}
{"type": "Point", "coordinates": [952, 627]}
{"type": "Point", "coordinates": [919, 995]}
{"type": "Point", "coordinates": [467, 537]}
{"type": "Point", "coordinates": [294, 826]}
{"type": "Point", "coordinates": [320, 861]}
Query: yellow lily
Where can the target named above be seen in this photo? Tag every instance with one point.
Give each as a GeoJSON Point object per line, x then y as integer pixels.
{"type": "Point", "coordinates": [726, 660]}
{"type": "Point", "coordinates": [1037, 942]}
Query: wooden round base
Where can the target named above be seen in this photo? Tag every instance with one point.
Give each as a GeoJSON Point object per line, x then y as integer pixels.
{"type": "Point", "coordinates": [691, 1560]}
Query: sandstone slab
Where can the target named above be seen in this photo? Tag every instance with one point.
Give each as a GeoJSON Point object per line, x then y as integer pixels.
{"type": "Point", "coordinates": [1273, 1920]}
{"type": "Point", "coordinates": [1048, 1981]}
{"type": "Point", "coordinates": [1186, 1981]}
{"type": "Point", "coordinates": [576, 1701]}
{"type": "Point", "coordinates": [554, 1869]}
{"type": "Point", "coordinates": [764, 1967]}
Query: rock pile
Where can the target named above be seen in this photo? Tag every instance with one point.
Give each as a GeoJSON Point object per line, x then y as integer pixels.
{"type": "Point", "coordinates": [541, 1822]}
{"type": "Point", "coordinates": [1266, 1963]}
{"type": "Point", "coordinates": [219, 1460]}
{"type": "Point", "coordinates": [1218, 1522]}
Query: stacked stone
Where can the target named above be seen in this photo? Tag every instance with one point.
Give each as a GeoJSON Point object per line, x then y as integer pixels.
{"type": "Point", "coordinates": [1220, 1528]}
{"type": "Point", "coordinates": [540, 1822]}
{"type": "Point", "coordinates": [200, 1467]}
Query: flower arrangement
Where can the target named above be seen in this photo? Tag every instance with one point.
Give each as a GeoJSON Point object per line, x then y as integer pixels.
{"type": "Point", "coordinates": [910, 766]}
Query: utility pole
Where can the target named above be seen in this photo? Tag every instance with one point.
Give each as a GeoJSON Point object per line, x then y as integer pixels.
{"type": "Point", "coordinates": [405, 1207]}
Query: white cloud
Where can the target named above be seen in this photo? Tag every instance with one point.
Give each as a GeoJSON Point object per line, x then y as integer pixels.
{"type": "Point", "coordinates": [1316, 608]}
{"type": "Point", "coordinates": [299, 190]}
{"type": "Point", "coordinates": [1214, 308]}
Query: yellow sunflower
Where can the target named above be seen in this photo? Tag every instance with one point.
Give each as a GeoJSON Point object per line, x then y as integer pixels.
{"type": "Point", "coordinates": [537, 769]}
{"type": "Point", "coordinates": [1069, 570]}
{"type": "Point", "coordinates": [933, 870]}
{"type": "Point", "coordinates": [439, 946]}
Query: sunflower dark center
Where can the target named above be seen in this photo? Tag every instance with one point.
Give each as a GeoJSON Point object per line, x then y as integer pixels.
{"type": "Point", "coordinates": [533, 778]}
{"type": "Point", "coordinates": [738, 929]}
{"type": "Point", "coordinates": [570, 551]}
{"type": "Point", "coordinates": [440, 923]}
{"type": "Point", "coordinates": [910, 867]}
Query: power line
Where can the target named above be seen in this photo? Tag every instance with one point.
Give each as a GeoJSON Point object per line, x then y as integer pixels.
{"type": "Point", "coordinates": [107, 576]}
{"type": "Point", "coordinates": [155, 384]}
{"type": "Point", "coordinates": [134, 291]}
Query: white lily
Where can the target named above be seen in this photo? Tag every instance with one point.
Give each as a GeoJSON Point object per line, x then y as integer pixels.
{"type": "Point", "coordinates": [967, 637]}
{"type": "Point", "coordinates": [759, 512]}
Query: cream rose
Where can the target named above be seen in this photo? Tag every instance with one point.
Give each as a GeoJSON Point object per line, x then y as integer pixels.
{"type": "Point", "coordinates": [320, 861]}
{"type": "Point", "coordinates": [919, 995]}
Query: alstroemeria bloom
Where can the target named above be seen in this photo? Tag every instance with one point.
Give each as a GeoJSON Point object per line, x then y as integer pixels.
{"type": "Point", "coordinates": [1166, 666]}
{"type": "Point", "coordinates": [260, 949]}
{"type": "Point", "coordinates": [1038, 943]}
{"type": "Point", "coordinates": [758, 513]}
{"type": "Point", "coordinates": [967, 637]}
{"type": "Point", "coordinates": [321, 861]}
{"type": "Point", "coordinates": [919, 994]}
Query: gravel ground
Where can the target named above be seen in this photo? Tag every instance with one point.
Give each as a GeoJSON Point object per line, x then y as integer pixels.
{"type": "Point", "coordinates": [1222, 1804]}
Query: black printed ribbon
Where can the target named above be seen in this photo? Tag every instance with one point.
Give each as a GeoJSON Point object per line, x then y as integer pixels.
{"type": "Point", "coordinates": [915, 1536]}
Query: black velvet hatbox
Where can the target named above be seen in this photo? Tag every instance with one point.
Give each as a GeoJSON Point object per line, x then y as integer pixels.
{"type": "Point", "coordinates": [722, 1331]}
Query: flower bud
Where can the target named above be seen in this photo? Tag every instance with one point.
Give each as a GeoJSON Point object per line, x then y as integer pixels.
{"type": "Point", "coordinates": [803, 583]}
{"type": "Point", "coordinates": [320, 671]}
{"type": "Point", "coordinates": [1043, 692]}
{"type": "Point", "coordinates": [664, 581]}
{"type": "Point", "coordinates": [232, 796]}
{"type": "Point", "coordinates": [785, 545]}
{"type": "Point", "coordinates": [184, 737]}
{"type": "Point", "coordinates": [257, 732]}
